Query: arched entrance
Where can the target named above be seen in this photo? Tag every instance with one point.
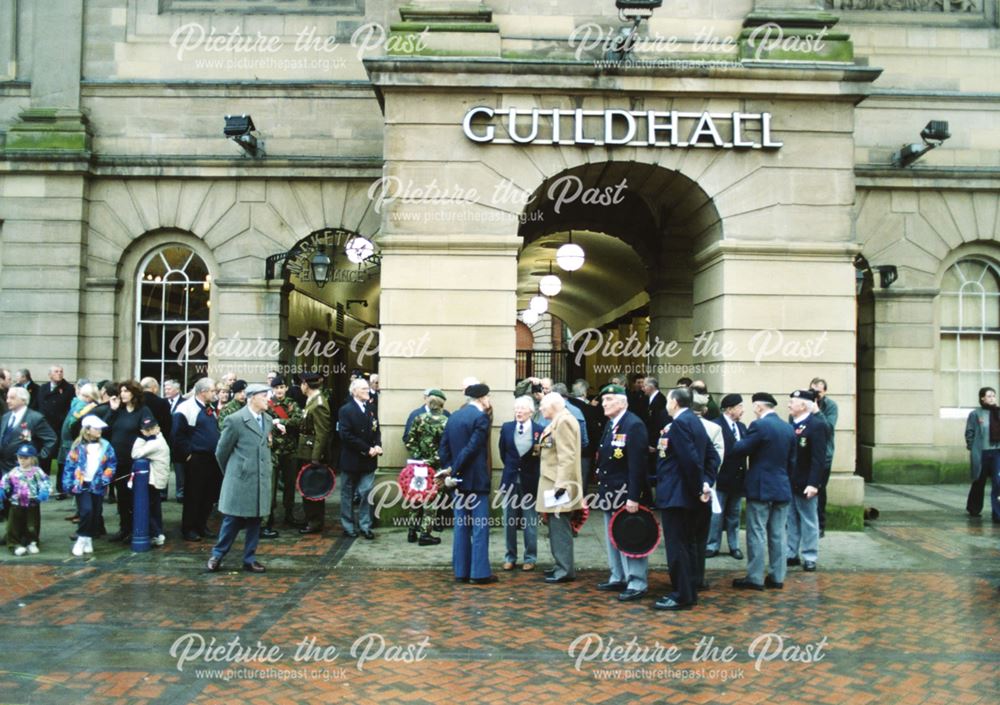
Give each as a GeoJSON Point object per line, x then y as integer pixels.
{"type": "Point", "coordinates": [330, 327]}
{"type": "Point", "coordinates": [630, 308]}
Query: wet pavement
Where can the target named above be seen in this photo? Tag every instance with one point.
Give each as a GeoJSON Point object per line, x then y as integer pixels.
{"type": "Point", "coordinates": [905, 612]}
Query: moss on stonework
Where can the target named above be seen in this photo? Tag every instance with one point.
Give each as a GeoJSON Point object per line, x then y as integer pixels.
{"type": "Point", "coordinates": [919, 472]}
{"type": "Point", "coordinates": [418, 27]}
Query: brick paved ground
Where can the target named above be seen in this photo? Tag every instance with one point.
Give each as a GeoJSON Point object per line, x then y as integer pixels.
{"type": "Point", "coordinates": [905, 613]}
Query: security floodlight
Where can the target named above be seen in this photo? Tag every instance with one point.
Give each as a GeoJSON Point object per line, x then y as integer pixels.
{"type": "Point", "coordinates": [239, 129]}
{"type": "Point", "coordinates": [933, 135]}
{"type": "Point", "coordinates": [633, 9]}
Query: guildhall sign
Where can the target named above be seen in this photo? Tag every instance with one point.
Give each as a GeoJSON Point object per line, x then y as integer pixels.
{"type": "Point", "coordinates": [616, 127]}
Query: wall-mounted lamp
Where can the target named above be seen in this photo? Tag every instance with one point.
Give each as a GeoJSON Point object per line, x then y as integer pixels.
{"type": "Point", "coordinates": [933, 135]}
{"type": "Point", "coordinates": [239, 129]}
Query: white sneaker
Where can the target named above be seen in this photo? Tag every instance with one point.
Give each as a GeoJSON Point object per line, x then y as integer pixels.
{"type": "Point", "coordinates": [32, 548]}
{"type": "Point", "coordinates": [88, 544]}
{"type": "Point", "coordinates": [159, 540]}
{"type": "Point", "coordinates": [20, 551]}
{"type": "Point", "coordinates": [78, 547]}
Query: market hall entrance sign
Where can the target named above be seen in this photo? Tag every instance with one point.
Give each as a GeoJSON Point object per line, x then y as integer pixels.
{"type": "Point", "coordinates": [638, 128]}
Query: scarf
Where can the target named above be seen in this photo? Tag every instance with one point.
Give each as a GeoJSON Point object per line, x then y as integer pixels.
{"type": "Point", "coordinates": [994, 423]}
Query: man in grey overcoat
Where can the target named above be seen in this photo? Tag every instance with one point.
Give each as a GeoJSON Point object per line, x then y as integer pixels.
{"type": "Point", "coordinates": [244, 454]}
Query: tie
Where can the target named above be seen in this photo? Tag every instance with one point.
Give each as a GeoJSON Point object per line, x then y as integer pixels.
{"type": "Point", "coordinates": [736, 431]}
{"type": "Point", "coordinates": [261, 420]}
{"type": "Point", "coordinates": [520, 428]}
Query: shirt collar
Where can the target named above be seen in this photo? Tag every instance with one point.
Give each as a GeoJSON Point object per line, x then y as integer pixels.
{"type": "Point", "coordinates": [617, 420]}
{"type": "Point", "coordinates": [800, 419]}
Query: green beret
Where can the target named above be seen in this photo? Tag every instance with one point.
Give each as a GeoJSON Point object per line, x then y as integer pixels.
{"type": "Point", "coordinates": [612, 389]}
{"type": "Point", "coordinates": [437, 393]}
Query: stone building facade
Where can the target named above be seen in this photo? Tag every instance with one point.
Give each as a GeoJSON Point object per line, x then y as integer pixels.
{"type": "Point", "coordinates": [732, 184]}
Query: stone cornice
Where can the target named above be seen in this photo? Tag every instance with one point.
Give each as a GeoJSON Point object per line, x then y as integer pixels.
{"type": "Point", "coordinates": [195, 166]}
{"type": "Point", "coordinates": [964, 178]}
{"type": "Point", "coordinates": [766, 250]}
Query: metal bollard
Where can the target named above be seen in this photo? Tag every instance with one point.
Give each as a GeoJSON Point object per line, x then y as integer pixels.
{"type": "Point", "coordinates": [140, 511]}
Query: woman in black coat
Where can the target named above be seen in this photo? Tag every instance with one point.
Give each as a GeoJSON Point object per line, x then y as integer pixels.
{"type": "Point", "coordinates": [124, 417]}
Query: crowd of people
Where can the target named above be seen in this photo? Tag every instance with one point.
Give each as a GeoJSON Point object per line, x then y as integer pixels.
{"type": "Point", "coordinates": [232, 446]}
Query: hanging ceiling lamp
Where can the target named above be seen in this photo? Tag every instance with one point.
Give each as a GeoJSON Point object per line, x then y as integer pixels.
{"type": "Point", "coordinates": [529, 317]}
{"type": "Point", "coordinates": [570, 257]}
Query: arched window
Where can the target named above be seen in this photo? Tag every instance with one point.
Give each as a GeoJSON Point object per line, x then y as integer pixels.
{"type": "Point", "coordinates": [970, 332]}
{"type": "Point", "coordinates": [173, 288]}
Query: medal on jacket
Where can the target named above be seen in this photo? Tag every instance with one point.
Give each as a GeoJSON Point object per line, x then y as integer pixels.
{"type": "Point", "coordinates": [618, 454]}
{"type": "Point", "coordinates": [374, 424]}
{"type": "Point", "coordinates": [662, 446]}
{"type": "Point", "coordinates": [618, 443]}
{"type": "Point", "coordinates": [25, 433]}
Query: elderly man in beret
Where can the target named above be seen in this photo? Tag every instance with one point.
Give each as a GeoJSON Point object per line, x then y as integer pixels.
{"type": "Point", "coordinates": [810, 462]}
{"type": "Point", "coordinates": [244, 454]}
{"type": "Point", "coordinates": [770, 445]}
{"type": "Point", "coordinates": [622, 459]}
{"type": "Point", "coordinates": [729, 484]}
{"type": "Point", "coordinates": [465, 462]}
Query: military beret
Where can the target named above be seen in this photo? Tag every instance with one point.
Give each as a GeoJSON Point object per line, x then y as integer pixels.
{"type": "Point", "coordinates": [436, 393]}
{"type": "Point", "coordinates": [27, 451]}
{"type": "Point", "coordinates": [476, 391]}
{"type": "Point", "coordinates": [257, 389]}
{"type": "Point", "coordinates": [807, 394]}
{"type": "Point", "coordinates": [765, 397]}
{"type": "Point", "coordinates": [238, 386]}
{"type": "Point", "coordinates": [612, 389]}
{"type": "Point", "coordinates": [278, 381]}
{"type": "Point", "coordinates": [311, 378]}
{"type": "Point", "coordinates": [730, 400]}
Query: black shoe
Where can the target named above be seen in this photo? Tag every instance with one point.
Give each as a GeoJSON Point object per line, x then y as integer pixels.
{"type": "Point", "coordinates": [549, 571]}
{"type": "Point", "coordinates": [552, 580]}
{"type": "Point", "coordinates": [179, 499]}
{"type": "Point", "coordinates": [428, 540]}
{"type": "Point", "coordinates": [411, 535]}
{"type": "Point", "coordinates": [254, 567]}
{"type": "Point", "coordinates": [629, 595]}
{"type": "Point", "coordinates": [746, 584]}
{"type": "Point", "coordinates": [205, 533]}
{"type": "Point", "coordinates": [461, 580]}
{"type": "Point", "coordinates": [310, 530]}
{"type": "Point", "coordinates": [611, 587]}
{"type": "Point", "coordinates": [368, 535]}
{"type": "Point", "coordinates": [737, 554]}
{"type": "Point", "coordinates": [117, 536]}
{"type": "Point", "coordinates": [772, 584]}
{"type": "Point", "coordinates": [267, 533]}
{"type": "Point", "coordinates": [72, 537]}
{"type": "Point", "coordinates": [703, 585]}
{"type": "Point", "coordinates": [192, 536]}
{"type": "Point", "coordinates": [61, 496]}
{"type": "Point", "coordinates": [127, 539]}
{"type": "Point", "coordinates": [484, 581]}
{"type": "Point", "coordinates": [792, 561]}
{"type": "Point", "coordinates": [668, 603]}
{"type": "Point", "coordinates": [822, 533]}
{"type": "Point", "coordinates": [711, 554]}
{"type": "Point", "coordinates": [347, 534]}
{"type": "Point", "coordinates": [809, 566]}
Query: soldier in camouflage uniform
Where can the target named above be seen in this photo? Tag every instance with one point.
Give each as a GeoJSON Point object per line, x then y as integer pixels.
{"type": "Point", "coordinates": [239, 400]}
{"type": "Point", "coordinates": [287, 416]}
{"type": "Point", "coordinates": [422, 444]}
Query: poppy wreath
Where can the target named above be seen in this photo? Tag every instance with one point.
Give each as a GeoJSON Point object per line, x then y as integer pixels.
{"type": "Point", "coordinates": [412, 491]}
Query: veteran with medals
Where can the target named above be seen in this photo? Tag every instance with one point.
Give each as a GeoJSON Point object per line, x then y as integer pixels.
{"type": "Point", "coordinates": [360, 446]}
{"type": "Point", "coordinates": [560, 487]}
{"type": "Point", "coordinates": [622, 461]}
{"type": "Point", "coordinates": [286, 417]}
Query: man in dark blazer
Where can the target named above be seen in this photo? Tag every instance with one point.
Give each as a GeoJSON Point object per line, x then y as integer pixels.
{"type": "Point", "coordinates": [729, 484]}
{"type": "Point", "coordinates": [360, 446]}
{"type": "Point", "coordinates": [807, 476]}
{"type": "Point", "coordinates": [157, 405]}
{"type": "Point", "coordinates": [22, 425]}
{"type": "Point", "coordinates": [463, 452]}
{"type": "Point", "coordinates": [683, 481]}
{"type": "Point", "coordinates": [22, 378]}
{"type": "Point", "coordinates": [519, 482]}
{"type": "Point", "coordinates": [622, 460]}
{"type": "Point", "coordinates": [54, 398]}
{"type": "Point", "coordinates": [770, 446]}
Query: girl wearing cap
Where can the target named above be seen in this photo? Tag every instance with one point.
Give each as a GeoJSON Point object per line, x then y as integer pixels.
{"type": "Point", "coordinates": [151, 444]}
{"type": "Point", "coordinates": [23, 488]}
{"type": "Point", "coordinates": [90, 465]}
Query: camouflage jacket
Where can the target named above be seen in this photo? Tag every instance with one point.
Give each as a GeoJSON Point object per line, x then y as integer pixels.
{"type": "Point", "coordinates": [425, 438]}
{"type": "Point", "coordinates": [284, 444]}
{"type": "Point", "coordinates": [314, 430]}
{"type": "Point", "coordinates": [228, 410]}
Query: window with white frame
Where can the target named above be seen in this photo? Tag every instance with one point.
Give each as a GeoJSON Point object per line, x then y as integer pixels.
{"type": "Point", "coordinates": [173, 291]}
{"type": "Point", "coordinates": [970, 332]}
